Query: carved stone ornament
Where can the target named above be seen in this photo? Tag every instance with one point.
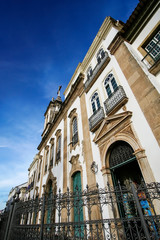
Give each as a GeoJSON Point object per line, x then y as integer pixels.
{"type": "Point", "coordinates": [94, 167]}
{"type": "Point", "coordinates": [111, 125]}
{"type": "Point", "coordinates": [58, 132]}
{"type": "Point", "coordinates": [51, 140]}
{"type": "Point", "coordinates": [72, 113]}
{"type": "Point", "coordinates": [74, 159]}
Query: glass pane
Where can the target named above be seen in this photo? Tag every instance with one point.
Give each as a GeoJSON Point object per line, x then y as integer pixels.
{"type": "Point", "coordinates": [98, 103]}
{"type": "Point", "coordinates": [74, 126]}
{"type": "Point", "coordinates": [59, 143]}
{"type": "Point", "coordinates": [52, 151]}
{"type": "Point", "coordinates": [93, 107]}
{"type": "Point", "coordinates": [108, 90]}
{"type": "Point", "coordinates": [114, 84]}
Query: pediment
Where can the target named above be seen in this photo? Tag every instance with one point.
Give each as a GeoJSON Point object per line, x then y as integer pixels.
{"type": "Point", "coordinates": [112, 123]}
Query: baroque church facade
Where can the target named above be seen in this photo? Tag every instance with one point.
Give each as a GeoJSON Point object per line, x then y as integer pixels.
{"type": "Point", "coordinates": [107, 129]}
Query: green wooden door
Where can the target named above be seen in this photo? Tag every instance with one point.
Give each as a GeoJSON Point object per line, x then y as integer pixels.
{"type": "Point", "coordinates": [78, 204]}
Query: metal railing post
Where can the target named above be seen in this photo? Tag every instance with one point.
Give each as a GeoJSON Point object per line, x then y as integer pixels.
{"type": "Point", "coordinates": [146, 232]}
{"type": "Point", "coordinates": [42, 217]}
{"type": "Point", "coordinates": [8, 222]}
{"type": "Point", "coordinates": [7, 237]}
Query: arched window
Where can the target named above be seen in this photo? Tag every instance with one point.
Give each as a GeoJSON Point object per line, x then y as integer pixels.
{"type": "Point", "coordinates": [110, 84]}
{"type": "Point", "coordinates": [95, 102]}
{"type": "Point", "coordinates": [52, 155]}
{"type": "Point", "coordinates": [47, 159]}
{"type": "Point", "coordinates": [58, 155]}
{"type": "Point", "coordinates": [39, 170]}
{"type": "Point", "coordinates": [100, 55]}
{"type": "Point", "coordinates": [74, 131]}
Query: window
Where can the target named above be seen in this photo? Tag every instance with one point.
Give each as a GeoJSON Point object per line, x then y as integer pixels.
{"type": "Point", "coordinates": [110, 84]}
{"type": "Point", "coordinates": [74, 131]}
{"type": "Point", "coordinates": [100, 55]}
{"type": "Point", "coordinates": [47, 158]}
{"type": "Point", "coordinates": [39, 170]}
{"type": "Point", "coordinates": [52, 155]}
{"type": "Point", "coordinates": [153, 47]}
{"type": "Point", "coordinates": [58, 155]}
{"type": "Point", "coordinates": [95, 102]}
{"type": "Point", "coordinates": [89, 72]}
{"type": "Point", "coordinates": [74, 141]}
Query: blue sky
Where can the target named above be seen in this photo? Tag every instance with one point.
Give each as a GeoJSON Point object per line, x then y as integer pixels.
{"type": "Point", "coordinates": [41, 44]}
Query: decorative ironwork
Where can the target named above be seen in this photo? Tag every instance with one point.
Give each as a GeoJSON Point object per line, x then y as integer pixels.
{"type": "Point", "coordinates": [120, 154]}
{"type": "Point", "coordinates": [139, 204]}
{"type": "Point", "coordinates": [94, 167]}
{"type": "Point", "coordinates": [116, 98]}
{"type": "Point", "coordinates": [95, 72]}
{"type": "Point", "coordinates": [96, 118]}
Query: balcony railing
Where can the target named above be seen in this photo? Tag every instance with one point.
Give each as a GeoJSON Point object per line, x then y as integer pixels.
{"type": "Point", "coordinates": [97, 71]}
{"type": "Point", "coordinates": [116, 100]}
{"type": "Point", "coordinates": [75, 139]}
{"type": "Point", "coordinates": [96, 119]}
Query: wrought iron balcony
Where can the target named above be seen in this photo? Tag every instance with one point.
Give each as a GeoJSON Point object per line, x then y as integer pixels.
{"type": "Point", "coordinates": [116, 100]}
{"type": "Point", "coordinates": [75, 139]}
{"type": "Point", "coordinates": [102, 62]}
{"type": "Point", "coordinates": [96, 119]}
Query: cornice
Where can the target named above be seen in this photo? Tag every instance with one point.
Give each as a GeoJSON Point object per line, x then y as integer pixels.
{"type": "Point", "coordinates": [116, 42]}
{"type": "Point", "coordinates": [70, 82]}
{"type": "Point", "coordinates": [101, 35]}
{"type": "Point", "coordinates": [33, 162]}
{"type": "Point", "coordinates": [139, 18]}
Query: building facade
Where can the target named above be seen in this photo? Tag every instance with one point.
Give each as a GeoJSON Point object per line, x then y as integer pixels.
{"type": "Point", "coordinates": [107, 130]}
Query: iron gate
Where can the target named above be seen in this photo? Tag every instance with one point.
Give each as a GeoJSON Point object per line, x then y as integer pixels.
{"type": "Point", "coordinates": [111, 213]}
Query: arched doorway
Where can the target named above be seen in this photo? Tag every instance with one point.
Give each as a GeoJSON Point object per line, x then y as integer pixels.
{"type": "Point", "coordinates": [123, 164]}
{"type": "Point", "coordinates": [124, 170]}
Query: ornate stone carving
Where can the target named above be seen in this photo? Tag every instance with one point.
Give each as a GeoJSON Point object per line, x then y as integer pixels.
{"type": "Point", "coordinates": [72, 112]}
{"type": "Point", "coordinates": [111, 126]}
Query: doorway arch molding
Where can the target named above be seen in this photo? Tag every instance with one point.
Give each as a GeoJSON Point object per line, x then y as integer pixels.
{"type": "Point", "coordinates": [119, 137]}
{"type": "Point", "coordinates": [138, 152]}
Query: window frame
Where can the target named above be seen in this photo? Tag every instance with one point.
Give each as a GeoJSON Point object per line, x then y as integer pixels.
{"type": "Point", "coordinates": [100, 55]}
{"type": "Point", "coordinates": [73, 114]}
{"type": "Point", "coordinates": [110, 84]}
{"type": "Point", "coordinates": [95, 102]}
{"type": "Point", "coordinates": [58, 146]}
